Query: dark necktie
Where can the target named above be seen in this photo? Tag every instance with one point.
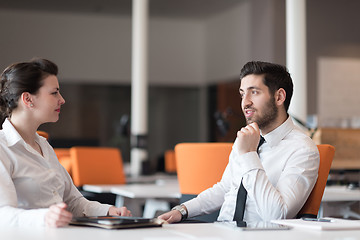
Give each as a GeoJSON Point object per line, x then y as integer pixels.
{"type": "Point", "coordinates": [242, 194]}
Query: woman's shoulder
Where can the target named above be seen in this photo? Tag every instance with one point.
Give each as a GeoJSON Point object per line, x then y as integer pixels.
{"type": "Point", "coordinates": [3, 140]}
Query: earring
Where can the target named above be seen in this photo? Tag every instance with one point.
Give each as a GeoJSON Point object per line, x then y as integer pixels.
{"type": "Point", "coordinates": [31, 105]}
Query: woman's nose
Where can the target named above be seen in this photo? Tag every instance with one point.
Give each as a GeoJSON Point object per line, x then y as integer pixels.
{"type": "Point", "coordinates": [62, 100]}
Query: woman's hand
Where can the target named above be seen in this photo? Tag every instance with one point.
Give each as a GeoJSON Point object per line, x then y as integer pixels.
{"type": "Point", "coordinates": [123, 211]}
{"type": "Point", "coordinates": [57, 216]}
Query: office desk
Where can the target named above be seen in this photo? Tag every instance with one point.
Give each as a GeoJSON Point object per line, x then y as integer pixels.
{"type": "Point", "coordinates": [337, 201]}
{"type": "Point", "coordinates": [167, 189]}
{"type": "Point", "coordinates": [154, 178]}
{"type": "Point", "coordinates": [207, 231]}
{"type": "Point", "coordinates": [155, 196]}
{"type": "Point", "coordinates": [340, 194]}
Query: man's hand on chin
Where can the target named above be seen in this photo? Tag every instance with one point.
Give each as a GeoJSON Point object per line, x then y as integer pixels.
{"type": "Point", "coordinates": [248, 138]}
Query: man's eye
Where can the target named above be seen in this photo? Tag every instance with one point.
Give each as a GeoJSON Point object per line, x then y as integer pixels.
{"type": "Point", "coordinates": [254, 92]}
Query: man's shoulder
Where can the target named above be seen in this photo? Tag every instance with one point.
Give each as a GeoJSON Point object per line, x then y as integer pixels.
{"type": "Point", "coordinates": [299, 139]}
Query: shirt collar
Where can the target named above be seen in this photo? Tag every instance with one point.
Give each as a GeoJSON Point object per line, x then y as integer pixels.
{"type": "Point", "coordinates": [12, 136]}
{"type": "Point", "coordinates": [275, 136]}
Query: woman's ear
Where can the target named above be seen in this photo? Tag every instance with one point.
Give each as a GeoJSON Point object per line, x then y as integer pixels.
{"type": "Point", "coordinates": [26, 98]}
{"type": "Point", "coordinates": [280, 96]}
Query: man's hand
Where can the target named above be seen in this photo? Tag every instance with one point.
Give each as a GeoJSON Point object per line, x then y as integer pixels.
{"type": "Point", "coordinates": [171, 217]}
{"type": "Point", "coordinates": [248, 138]}
{"type": "Point", "coordinates": [123, 211]}
{"type": "Point", "coordinates": [57, 216]}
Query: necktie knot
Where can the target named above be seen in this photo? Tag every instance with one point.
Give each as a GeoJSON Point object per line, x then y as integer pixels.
{"type": "Point", "coordinates": [262, 140]}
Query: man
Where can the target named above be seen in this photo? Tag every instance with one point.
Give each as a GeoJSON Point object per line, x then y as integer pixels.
{"type": "Point", "coordinates": [279, 176]}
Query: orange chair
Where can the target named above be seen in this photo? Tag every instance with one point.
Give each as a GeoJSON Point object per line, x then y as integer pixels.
{"type": "Point", "coordinates": [97, 165]}
{"type": "Point", "coordinates": [312, 204]}
{"type": "Point", "coordinates": [200, 166]}
{"type": "Point", "coordinates": [63, 155]}
{"type": "Point", "coordinates": [43, 134]}
{"type": "Point", "coordinates": [170, 161]}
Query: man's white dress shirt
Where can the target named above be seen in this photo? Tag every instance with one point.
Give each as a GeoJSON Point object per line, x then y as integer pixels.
{"type": "Point", "coordinates": [278, 179]}
{"type": "Point", "coordinates": [31, 183]}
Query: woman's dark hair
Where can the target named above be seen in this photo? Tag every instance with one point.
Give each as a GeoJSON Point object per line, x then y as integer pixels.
{"type": "Point", "coordinates": [22, 77]}
{"type": "Point", "coordinates": [275, 77]}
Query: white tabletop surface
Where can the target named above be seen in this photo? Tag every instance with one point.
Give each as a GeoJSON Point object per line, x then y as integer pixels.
{"type": "Point", "coordinates": [168, 188]}
{"type": "Point", "coordinates": [165, 190]}
{"type": "Point", "coordinates": [150, 178]}
{"type": "Point", "coordinates": [171, 232]}
{"type": "Point", "coordinates": [340, 194]}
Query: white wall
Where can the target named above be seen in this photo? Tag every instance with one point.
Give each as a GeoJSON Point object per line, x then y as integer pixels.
{"type": "Point", "coordinates": [176, 51]}
{"type": "Point", "coordinates": [332, 27]}
{"type": "Point", "coordinates": [95, 48]}
{"type": "Point", "coordinates": [227, 43]}
{"type": "Point", "coordinates": [182, 52]}
{"type": "Point", "coordinates": [338, 98]}
{"type": "Point", "coordinates": [253, 30]}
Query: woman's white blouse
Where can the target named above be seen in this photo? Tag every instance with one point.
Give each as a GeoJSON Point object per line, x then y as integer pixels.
{"type": "Point", "coordinates": [30, 183]}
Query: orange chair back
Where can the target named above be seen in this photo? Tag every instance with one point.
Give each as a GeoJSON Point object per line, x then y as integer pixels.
{"type": "Point", "coordinates": [97, 165]}
{"type": "Point", "coordinates": [62, 152]}
{"type": "Point", "coordinates": [312, 204]}
{"type": "Point", "coordinates": [170, 161]}
{"type": "Point", "coordinates": [200, 165]}
{"type": "Point", "coordinates": [63, 155]}
{"type": "Point", "coordinates": [43, 134]}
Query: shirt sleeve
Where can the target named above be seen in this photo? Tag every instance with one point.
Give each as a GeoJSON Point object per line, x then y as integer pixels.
{"type": "Point", "coordinates": [78, 205]}
{"type": "Point", "coordinates": [293, 188]}
{"type": "Point", "coordinates": [10, 214]}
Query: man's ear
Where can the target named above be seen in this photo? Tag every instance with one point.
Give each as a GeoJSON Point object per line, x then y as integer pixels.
{"type": "Point", "coordinates": [280, 96]}
{"type": "Point", "coordinates": [26, 98]}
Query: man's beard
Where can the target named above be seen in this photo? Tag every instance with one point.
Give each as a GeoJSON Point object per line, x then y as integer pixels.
{"type": "Point", "coordinates": [270, 112]}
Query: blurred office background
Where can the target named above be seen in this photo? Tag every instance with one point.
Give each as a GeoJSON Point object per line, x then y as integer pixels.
{"type": "Point", "coordinates": [196, 51]}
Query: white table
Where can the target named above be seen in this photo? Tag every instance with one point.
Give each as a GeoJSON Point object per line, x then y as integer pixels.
{"type": "Point", "coordinates": [167, 189]}
{"type": "Point", "coordinates": [156, 196]}
{"type": "Point", "coordinates": [154, 178]}
{"type": "Point", "coordinates": [207, 231]}
{"type": "Point", "coordinates": [337, 201]}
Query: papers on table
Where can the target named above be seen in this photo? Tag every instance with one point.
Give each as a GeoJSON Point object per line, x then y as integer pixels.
{"type": "Point", "coordinates": [333, 224]}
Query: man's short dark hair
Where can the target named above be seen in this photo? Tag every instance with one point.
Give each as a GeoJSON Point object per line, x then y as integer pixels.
{"type": "Point", "coordinates": [275, 77]}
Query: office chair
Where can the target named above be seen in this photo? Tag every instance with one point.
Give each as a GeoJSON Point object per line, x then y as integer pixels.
{"type": "Point", "coordinates": [97, 165]}
{"type": "Point", "coordinates": [200, 166]}
{"type": "Point", "coordinates": [312, 204]}
{"type": "Point", "coordinates": [170, 161]}
{"type": "Point", "coordinates": [63, 155]}
{"type": "Point", "coordinates": [43, 134]}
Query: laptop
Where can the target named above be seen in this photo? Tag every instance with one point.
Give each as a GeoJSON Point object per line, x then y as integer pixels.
{"type": "Point", "coordinates": [117, 222]}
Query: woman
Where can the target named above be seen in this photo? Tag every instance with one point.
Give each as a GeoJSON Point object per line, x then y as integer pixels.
{"type": "Point", "coordinates": [34, 188]}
